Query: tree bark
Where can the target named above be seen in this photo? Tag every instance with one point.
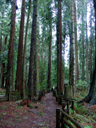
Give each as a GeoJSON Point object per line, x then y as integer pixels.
{"type": "Point", "coordinates": [32, 52]}
{"type": "Point", "coordinates": [72, 71]}
{"type": "Point", "coordinates": [25, 44]}
{"type": "Point", "coordinates": [0, 59]}
{"type": "Point", "coordinates": [1, 51]}
{"type": "Point", "coordinates": [91, 46]}
{"type": "Point", "coordinates": [49, 60]}
{"type": "Point", "coordinates": [76, 44]}
{"type": "Point", "coordinates": [19, 85]}
{"type": "Point", "coordinates": [50, 42]}
{"type": "Point", "coordinates": [83, 57]}
{"type": "Point", "coordinates": [59, 50]}
{"type": "Point", "coordinates": [11, 51]}
{"type": "Point", "coordinates": [4, 75]}
{"type": "Point", "coordinates": [87, 64]}
{"type": "Point", "coordinates": [91, 97]}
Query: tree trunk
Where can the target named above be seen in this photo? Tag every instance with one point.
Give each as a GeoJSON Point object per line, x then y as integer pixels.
{"type": "Point", "coordinates": [1, 51]}
{"type": "Point", "coordinates": [72, 71]}
{"type": "Point", "coordinates": [59, 50]}
{"type": "Point", "coordinates": [0, 59]}
{"type": "Point", "coordinates": [83, 57]}
{"type": "Point", "coordinates": [19, 85]}
{"type": "Point", "coordinates": [32, 52]}
{"type": "Point", "coordinates": [4, 75]}
{"type": "Point", "coordinates": [25, 43]}
{"type": "Point", "coordinates": [91, 97]}
{"type": "Point", "coordinates": [49, 60]}
{"type": "Point", "coordinates": [11, 51]}
{"type": "Point", "coordinates": [87, 77]}
{"type": "Point", "coordinates": [50, 42]}
{"type": "Point", "coordinates": [0, 42]}
{"type": "Point", "coordinates": [76, 45]}
{"type": "Point", "coordinates": [91, 46]}
{"type": "Point", "coordinates": [35, 70]}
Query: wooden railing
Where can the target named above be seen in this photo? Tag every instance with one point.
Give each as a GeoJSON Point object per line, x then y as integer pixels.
{"type": "Point", "coordinates": [63, 120]}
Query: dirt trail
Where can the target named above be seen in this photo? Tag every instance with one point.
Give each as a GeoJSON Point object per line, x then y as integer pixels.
{"type": "Point", "coordinates": [42, 114]}
{"type": "Point", "coordinates": [49, 117]}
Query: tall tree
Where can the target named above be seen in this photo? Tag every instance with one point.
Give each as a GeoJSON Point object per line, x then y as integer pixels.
{"type": "Point", "coordinates": [87, 64]}
{"type": "Point", "coordinates": [72, 71]}
{"type": "Point", "coordinates": [59, 49]}
{"type": "Point", "coordinates": [25, 43]}
{"type": "Point", "coordinates": [91, 44]}
{"type": "Point", "coordinates": [1, 66]}
{"type": "Point", "coordinates": [91, 97]}
{"type": "Point", "coordinates": [50, 41]}
{"type": "Point", "coordinates": [32, 53]}
{"type": "Point", "coordinates": [11, 50]}
{"type": "Point", "coordinates": [83, 60]}
{"type": "Point", "coordinates": [0, 59]}
{"type": "Point", "coordinates": [76, 44]}
{"type": "Point", "coordinates": [19, 85]}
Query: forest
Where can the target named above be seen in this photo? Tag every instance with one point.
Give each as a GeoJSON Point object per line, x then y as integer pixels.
{"type": "Point", "coordinates": [47, 63]}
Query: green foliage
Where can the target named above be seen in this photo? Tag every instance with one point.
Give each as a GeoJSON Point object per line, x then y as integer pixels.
{"type": "Point", "coordinates": [66, 126]}
{"type": "Point", "coordinates": [19, 107]}
{"type": "Point", "coordinates": [0, 117]}
{"type": "Point", "coordinates": [2, 93]}
{"type": "Point", "coordinates": [41, 124]}
{"type": "Point", "coordinates": [41, 113]}
{"type": "Point", "coordinates": [66, 75]}
{"type": "Point", "coordinates": [80, 109]}
{"type": "Point", "coordinates": [82, 84]}
{"type": "Point", "coordinates": [3, 107]}
{"type": "Point", "coordinates": [71, 111]}
{"type": "Point", "coordinates": [87, 126]}
{"type": "Point", "coordinates": [31, 105]}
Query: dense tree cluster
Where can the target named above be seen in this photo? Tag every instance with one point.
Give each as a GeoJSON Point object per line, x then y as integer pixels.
{"type": "Point", "coordinates": [45, 44]}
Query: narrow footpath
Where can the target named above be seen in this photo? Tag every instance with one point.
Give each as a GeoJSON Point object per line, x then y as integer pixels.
{"type": "Point", "coordinates": [49, 111]}
{"type": "Point", "coordinates": [41, 115]}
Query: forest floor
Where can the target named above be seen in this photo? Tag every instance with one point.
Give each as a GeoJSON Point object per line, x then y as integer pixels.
{"type": "Point", "coordinates": [42, 114]}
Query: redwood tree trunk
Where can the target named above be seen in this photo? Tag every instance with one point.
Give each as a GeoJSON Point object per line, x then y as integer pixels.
{"type": "Point", "coordinates": [50, 42]}
{"type": "Point", "coordinates": [0, 59]}
{"type": "Point", "coordinates": [87, 64]}
{"type": "Point", "coordinates": [4, 75]}
{"type": "Point", "coordinates": [72, 69]}
{"type": "Point", "coordinates": [32, 52]}
{"type": "Point", "coordinates": [59, 49]}
{"type": "Point", "coordinates": [49, 60]}
{"type": "Point", "coordinates": [19, 85]}
{"type": "Point", "coordinates": [91, 46]}
{"type": "Point", "coordinates": [11, 51]}
{"type": "Point", "coordinates": [1, 51]}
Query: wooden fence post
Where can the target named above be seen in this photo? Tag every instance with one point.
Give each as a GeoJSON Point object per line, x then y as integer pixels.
{"type": "Point", "coordinates": [58, 119]}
